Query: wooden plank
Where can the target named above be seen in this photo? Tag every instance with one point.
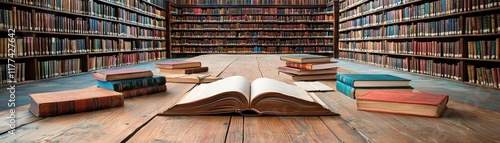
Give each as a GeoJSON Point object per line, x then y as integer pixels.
{"type": "Point", "coordinates": [110, 125]}
{"type": "Point", "coordinates": [22, 117]}
{"type": "Point", "coordinates": [199, 129]}
{"type": "Point", "coordinates": [342, 130]}
{"type": "Point", "coordinates": [235, 131]}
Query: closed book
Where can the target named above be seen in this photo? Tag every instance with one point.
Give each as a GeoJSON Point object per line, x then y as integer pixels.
{"type": "Point", "coordinates": [295, 77]}
{"type": "Point", "coordinates": [121, 74]}
{"type": "Point", "coordinates": [192, 78]}
{"type": "Point", "coordinates": [402, 102]}
{"type": "Point", "coordinates": [129, 84]}
{"type": "Point", "coordinates": [313, 66]}
{"type": "Point", "coordinates": [307, 72]}
{"type": "Point", "coordinates": [357, 92]}
{"type": "Point", "coordinates": [144, 91]}
{"type": "Point", "coordinates": [178, 65]}
{"type": "Point", "coordinates": [74, 101]}
{"type": "Point", "coordinates": [373, 80]}
{"type": "Point", "coordinates": [306, 58]}
{"type": "Point", "coordinates": [183, 71]}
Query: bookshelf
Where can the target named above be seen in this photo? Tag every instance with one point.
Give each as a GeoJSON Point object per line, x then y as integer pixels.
{"type": "Point", "coordinates": [68, 37]}
{"type": "Point", "coordinates": [260, 27]}
{"type": "Point", "coordinates": [452, 39]}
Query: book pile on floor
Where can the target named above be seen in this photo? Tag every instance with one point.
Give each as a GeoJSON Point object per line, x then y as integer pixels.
{"type": "Point", "coordinates": [355, 85]}
{"type": "Point", "coordinates": [308, 68]}
{"type": "Point", "coordinates": [130, 82]}
{"type": "Point", "coordinates": [183, 67]}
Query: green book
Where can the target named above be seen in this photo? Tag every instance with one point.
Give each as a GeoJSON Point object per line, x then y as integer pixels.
{"type": "Point", "coordinates": [373, 80]}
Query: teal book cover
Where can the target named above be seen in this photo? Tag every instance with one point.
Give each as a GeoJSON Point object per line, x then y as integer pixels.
{"type": "Point", "coordinates": [123, 85]}
{"type": "Point", "coordinates": [345, 89]}
{"type": "Point", "coordinates": [349, 79]}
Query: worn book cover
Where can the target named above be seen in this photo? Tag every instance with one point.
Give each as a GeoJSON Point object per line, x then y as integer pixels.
{"type": "Point", "coordinates": [178, 65]}
{"type": "Point", "coordinates": [373, 80]}
{"type": "Point", "coordinates": [129, 84]}
{"type": "Point", "coordinates": [313, 66]}
{"type": "Point", "coordinates": [121, 74]}
{"type": "Point", "coordinates": [184, 71]}
{"type": "Point", "coordinates": [306, 58]}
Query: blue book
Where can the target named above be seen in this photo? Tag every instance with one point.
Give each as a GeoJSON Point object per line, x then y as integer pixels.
{"type": "Point", "coordinates": [129, 84]}
{"type": "Point", "coordinates": [372, 80]}
{"type": "Point", "coordinates": [345, 89]}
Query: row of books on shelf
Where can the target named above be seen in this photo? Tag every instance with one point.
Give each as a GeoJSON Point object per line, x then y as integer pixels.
{"type": "Point", "coordinates": [252, 18]}
{"type": "Point", "coordinates": [251, 2]}
{"type": "Point", "coordinates": [276, 42]}
{"type": "Point", "coordinates": [301, 26]}
{"type": "Point", "coordinates": [208, 11]}
{"type": "Point", "coordinates": [426, 48]}
{"type": "Point", "coordinates": [56, 68]}
{"type": "Point", "coordinates": [484, 76]}
{"type": "Point", "coordinates": [139, 7]}
{"type": "Point", "coordinates": [449, 70]}
{"type": "Point", "coordinates": [12, 73]}
{"type": "Point", "coordinates": [255, 49]}
{"type": "Point", "coordinates": [31, 46]}
{"type": "Point", "coordinates": [253, 34]}
{"type": "Point", "coordinates": [104, 62]}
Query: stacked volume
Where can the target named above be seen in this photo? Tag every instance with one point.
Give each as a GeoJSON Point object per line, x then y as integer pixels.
{"type": "Point", "coordinates": [131, 82]}
{"type": "Point", "coordinates": [356, 85]}
{"type": "Point", "coordinates": [183, 67]}
{"type": "Point", "coordinates": [308, 68]}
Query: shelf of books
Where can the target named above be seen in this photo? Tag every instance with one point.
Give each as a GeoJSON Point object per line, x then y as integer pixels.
{"type": "Point", "coordinates": [49, 39]}
{"type": "Point", "coordinates": [232, 27]}
{"type": "Point", "coordinates": [453, 39]}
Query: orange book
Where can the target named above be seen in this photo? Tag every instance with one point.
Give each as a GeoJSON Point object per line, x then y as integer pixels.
{"type": "Point", "coordinates": [312, 66]}
{"type": "Point", "coordinates": [121, 74]}
{"type": "Point", "coordinates": [403, 102]}
{"type": "Point", "coordinates": [178, 65]}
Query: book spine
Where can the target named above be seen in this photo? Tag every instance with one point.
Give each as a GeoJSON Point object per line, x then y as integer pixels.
{"type": "Point", "coordinates": [345, 89]}
{"type": "Point", "coordinates": [346, 80]}
{"type": "Point", "coordinates": [61, 108]}
{"type": "Point", "coordinates": [197, 70]}
{"type": "Point", "coordinates": [132, 84]}
{"type": "Point", "coordinates": [144, 91]}
{"type": "Point", "coordinates": [300, 66]}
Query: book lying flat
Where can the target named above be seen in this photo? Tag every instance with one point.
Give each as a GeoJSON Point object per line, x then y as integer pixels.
{"type": "Point", "coordinates": [295, 77]}
{"type": "Point", "coordinates": [130, 84]}
{"type": "Point", "coordinates": [235, 94]}
{"type": "Point", "coordinates": [191, 78]}
{"type": "Point", "coordinates": [313, 66]}
{"type": "Point", "coordinates": [144, 91]}
{"type": "Point", "coordinates": [306, 58]}
{"type": "Point", "coordinates": [121, 74]}
{"type": "Point", "coordinates": [178, 65]}
{"type": "Point", "coordinates": [372, 80]}
{"type": "Point", "coordinates": [306, 72]}
{"type": "Point", "coordinates": [359, 91]}
{"type": "Point", "coordinates": [401, 102]}
{"type": "Point", "coordinates": [313, 86]}
{"type": "Point", "coordinates": [184, 71]}
{"type": "Point", "coordinates": [74, 101]}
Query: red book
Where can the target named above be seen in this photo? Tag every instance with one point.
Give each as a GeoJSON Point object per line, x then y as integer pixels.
{"type": "Point", "coordinates": [122, 74]}
{"type": "Point", "coordinates": [184, 71]}
{"type": "Point", "coordinates": [403, 102]}
{"type": "Point", "coordinates": [178, 65]}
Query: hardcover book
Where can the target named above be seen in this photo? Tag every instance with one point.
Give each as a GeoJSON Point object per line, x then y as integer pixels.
{"type": "Point", "coordinates": [295, 77]}
{"type": "Point", "coordinates": [191, 78]}
{"type": "Point", "coordinates": [130, 84]}
{"type": "Point", "coordinates": [74, 101]}
{"type": "Point", "coordinates": [372, 80]}
{"type": "Point", "coordinates": [306, 58]}
{"type": "Point", "coordinates": [236, 95]}
{"type": "Point", "coordinates": [359, 91]}
{"type": "Point", "coordinates": [178, 65]}
{"type": "Point", "coordinates": [313, 66]}
{"type": "Point", "coordinates": [401, 102]}
{"type": "Point", "coordinates": [144, 91]}
{"type": "Point", "coordinates": [306, 72]}
{"type": "Point", "coordinates": [121, 74]}
{"type": "Point", "coordinates": [184, 71]}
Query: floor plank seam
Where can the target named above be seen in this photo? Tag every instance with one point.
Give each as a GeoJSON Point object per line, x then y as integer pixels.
{"type": "Point", "coordinates": [227, 66]}
{"type": "Point", "coordinates": [17, 127]}
{"type": "Point", "coordinates": [137, 130]}
{"type": "Point", "coordinates": [331, 130]}
{"type": "Point", "coordinates": [258, 66]}
{"type": "Point", "coordinates": [228, 127]}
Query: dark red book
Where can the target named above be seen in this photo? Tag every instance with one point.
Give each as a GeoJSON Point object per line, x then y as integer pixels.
{"type": "Point", "coordinates": [403, 102]}
{"type": "Point", "coordinates": [121, 74]}
{"type": "Point", "coordinates": [184, 71]}
{"type": "Point", "coordinates": [143, 91]}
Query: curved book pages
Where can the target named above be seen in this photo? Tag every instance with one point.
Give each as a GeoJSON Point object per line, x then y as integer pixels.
{"type": "Point", "coordinates": [235, 95]}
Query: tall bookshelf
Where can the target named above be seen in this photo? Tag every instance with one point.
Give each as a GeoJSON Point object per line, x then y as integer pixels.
{"type": "Point", "coordinates": [451, 39]}
{"type": "Point", "coordinates": [60, 38]}
{"type": "Point", "coordinates": [295, 26]}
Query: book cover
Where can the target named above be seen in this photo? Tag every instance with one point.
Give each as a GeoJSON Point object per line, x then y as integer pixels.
{"type": "Point", "coordinates": [306, 58]}
{"type": "Point", "coordinates": [401, 102]}
{"type": "Point", "coordinates": [191, 78]}
{"type": "Point", "coordinates": [129, 84]}
{"type": "Point", "coordinates": [306, 72]}
{"type": "Point", "coordinates": [178, 65]}
{"type": "Point", "coordinates": [184, 71]}
{"type": "Point", "coordinates": [74, 101]}
{"type": "Point", "coordinates": [312, 66]}
{"type": "Point", "coordinates": [373, 80]}
{"type": "Point", "coordinates": [121, 74]}
{"type": "Point", "coordinates": [144, 91]}
{"type": "Point", "coordinates": [295, 77]}
{"type": "Point", "coordinates": [345, 89]}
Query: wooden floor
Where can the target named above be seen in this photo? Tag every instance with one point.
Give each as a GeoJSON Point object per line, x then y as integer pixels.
{"type": "Point", "coordinates": [137, 120]}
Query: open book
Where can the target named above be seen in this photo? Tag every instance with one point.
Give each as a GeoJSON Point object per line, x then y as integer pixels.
{"type": "Point", "coordinates": [235, 95]}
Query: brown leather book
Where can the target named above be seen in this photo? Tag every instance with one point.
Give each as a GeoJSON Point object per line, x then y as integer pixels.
{"type": "Point", "coordinates": [403, 102]}
{"type": "Point", "coordinates": [313, 66]}
{"type": "Point", "coordinates": [307, 72]}
{"type": "Point", "coordinates": [306, 58]}
{"type": "Point", "coordinates": [143, 91]}
{"type": "Point", "coordinates": [184, 71]}
{"type": "Point", "coordinates": [236, 94]}
{"type": "Point", "coordinates": [74, 101]}
{"type": "Point", "coordinates": [295, 77]}
{"type": "Point", "coordinates": [121, 74]}
{"type": "Point", "coordinates": [178, 65]}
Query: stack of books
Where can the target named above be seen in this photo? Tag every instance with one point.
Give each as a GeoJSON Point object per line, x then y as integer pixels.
{"type": "Point", "coordinates": [356, 85]}
{"type": "Point", "coordinates": [130, 82]}
{"type": "Point", "coordinates": [308, 68]}
{"type": "Point", "coordinates": [184, 67]}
